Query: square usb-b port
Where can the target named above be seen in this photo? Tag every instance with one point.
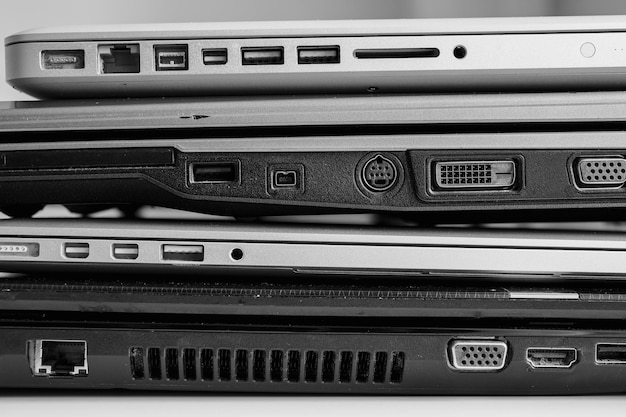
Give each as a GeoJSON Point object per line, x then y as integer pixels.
{"type": "Point", "coordinates": [171, 57]}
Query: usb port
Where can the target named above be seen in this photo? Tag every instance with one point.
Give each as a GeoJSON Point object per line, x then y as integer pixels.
{"type": "Point", "coordinates": [611, 353]}
{"type": "Point", "coordinates": [318, 54]}
{"type": "Point", "coordinates": [171, 57]}
{"type": "Point", "coordinates": [186, 253]}
{"type": "Point", "coordinates": [76, 250]}
{"type": "Point", "coordinates": [214, 56]}
{"type": "Point", "coordinates": [274, 55]}
{"type": "Point", "coordinates": [125, 251]}
{"type": "Point", "coordinates": [214, 172]}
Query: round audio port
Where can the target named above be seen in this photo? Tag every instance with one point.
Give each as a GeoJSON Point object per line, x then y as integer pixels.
{"type": "Point", "coordinates": [379, 173]}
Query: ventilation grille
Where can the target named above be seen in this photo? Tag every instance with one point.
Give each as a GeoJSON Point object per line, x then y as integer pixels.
{"type": "Point", "coordinates": [257, 365]}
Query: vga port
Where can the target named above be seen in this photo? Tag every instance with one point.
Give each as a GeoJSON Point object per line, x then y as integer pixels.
{"type": "Point", "coordinates": [603, 171]}
{"type": "Point", "coordinates": [477, 355]}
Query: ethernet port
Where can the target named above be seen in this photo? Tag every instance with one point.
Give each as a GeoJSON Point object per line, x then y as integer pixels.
{"type": "Point", "coordinates": [58, 358]}
{"type": "Point", "coordinates": [119, 58]}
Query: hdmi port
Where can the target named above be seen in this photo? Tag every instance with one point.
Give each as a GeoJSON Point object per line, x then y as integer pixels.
{"type": "Point", "coordinates": [551, 357]}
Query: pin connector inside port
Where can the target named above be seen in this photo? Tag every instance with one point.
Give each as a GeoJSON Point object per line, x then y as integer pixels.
{"type": "Point", "coordinates": [477, 355]}
{"type": "Point", "coordinates": [479, 175]}
{"type": "Point", "coordinates": [263, 56]}
{"type": "Point", "coordinates": [215, 56]}
{"type": "Point", "coordinates": [119, 58]}
{"type": "Point", "coordinates": [171, 57]}
{"type": "Point", "coordinates": [214, 172]}
{"type": "Point", "coordinates": [185, 253]}
{"type": "Point", "coordinates": [551, 357]}
{"type": "Point", "coordinates": [58, 358]}
{"type": "Point", "coordinates": [611, 353]}
{"type": "Point", "coordinates": [379, 173]}
{"type": "Point", "coordinates": [318, 54]}
{"type": "Point", "coordinates": [601, 172]}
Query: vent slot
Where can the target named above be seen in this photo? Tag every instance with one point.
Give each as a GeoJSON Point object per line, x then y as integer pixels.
{"type": "Point", "coordinates": [276, 365]}
{"type": "Point", "coordinates": [206, 364]}
{"type": "Point", "coordinates": [258, 366]}
{"type": "Point", "coordinates": [345, 367]}
{"type": "Point", "coordinates": [310, 366]}
{"type": "Point", "coordinates": [171, 364]}
{"type": "Point", "coordinates": [154, 363]}
{"type": "Point", "coordinates": [328, 366]}
{"type": "Point", "coordinates": [380, 367]}
{"type": "Point", "coordinates": [137, 369]}
{"type": "Point", "coordinates": [241, 365]}
{"type": "Point", "coordinates": [363, 367]}
{"type": "Point", "coordinates": [224, 364]}
{"type": "Point", "coordinates": [397, 367]}
{"type": "Point", "coordinates": [293, 366]}
{"type": "Point", "coordinates": [189, 364]}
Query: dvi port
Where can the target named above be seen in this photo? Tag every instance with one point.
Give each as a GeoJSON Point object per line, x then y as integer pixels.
{"type": "Point", "coordinates": [477, 355]}
{"type": "Point", "coordinates": [481, 175]}
{"type": "Point", "coordinates": [607, 171]}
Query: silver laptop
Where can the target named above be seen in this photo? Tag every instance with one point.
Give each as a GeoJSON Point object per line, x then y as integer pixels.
{"type": "Point", "coordinates": [248, 248]}
{"type": "Point", "coordinates": [319, 56]}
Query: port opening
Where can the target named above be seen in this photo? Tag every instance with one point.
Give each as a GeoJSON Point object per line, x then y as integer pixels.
{"type": "Point", "coordinates": [171, 57]}
{"type": "Point", "coordinates": [219, 172]}
{"type": "Point", "coordinates": [283, 178]}
{"type": "Point", "coordinates": [119, 58]}
{"type": "Point", "coordinates": [611, 353]}
{"type": "Point", "coordinates": [71, 59]}
{"type": "Point", "coordinates": [184, 253]}
{"type": "Point", "coordinates": [379, 173]}
{"type": "Point", "coordinates": [58, 358]}
{"type": "Point", "coordinates": [480, 175]}
{"type": "Point", "coordinates": [477, 355]}
{"type": "Point", "coordinates": [599, 172]}
{"type": "Point", "coordinates": [217, 56]}
{"type": "Point", "coordinates": [76, 250]}
{"type": "Point", "coordinates": [128, 251]}
{"type": "Point", "coordinates": [318, 54]}
{"type": "Point", "coordinates": [564, 358]}
{"type": "Point", "coordinates": [396, 53]}
{"type": "Point", "coordinates": [274, 55]}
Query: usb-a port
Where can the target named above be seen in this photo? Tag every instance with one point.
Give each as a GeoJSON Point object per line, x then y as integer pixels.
{"type": "Point", "coordinates": [318, 54]}
{"type": "Point", "coordinates": [274, 55]}
{"type": "Point", "coordinates": [185, 253]}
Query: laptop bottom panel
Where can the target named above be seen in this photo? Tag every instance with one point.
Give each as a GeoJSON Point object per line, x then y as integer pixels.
{"type": "Point", "coordinates": [531, 361]}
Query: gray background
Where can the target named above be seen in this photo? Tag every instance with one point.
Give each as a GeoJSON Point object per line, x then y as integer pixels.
{"type": "Point", "coordinates": [19, 15]}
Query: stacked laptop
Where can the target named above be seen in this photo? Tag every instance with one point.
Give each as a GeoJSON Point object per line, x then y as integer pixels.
{"type": "Point", "coordinates": [431, 134]}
